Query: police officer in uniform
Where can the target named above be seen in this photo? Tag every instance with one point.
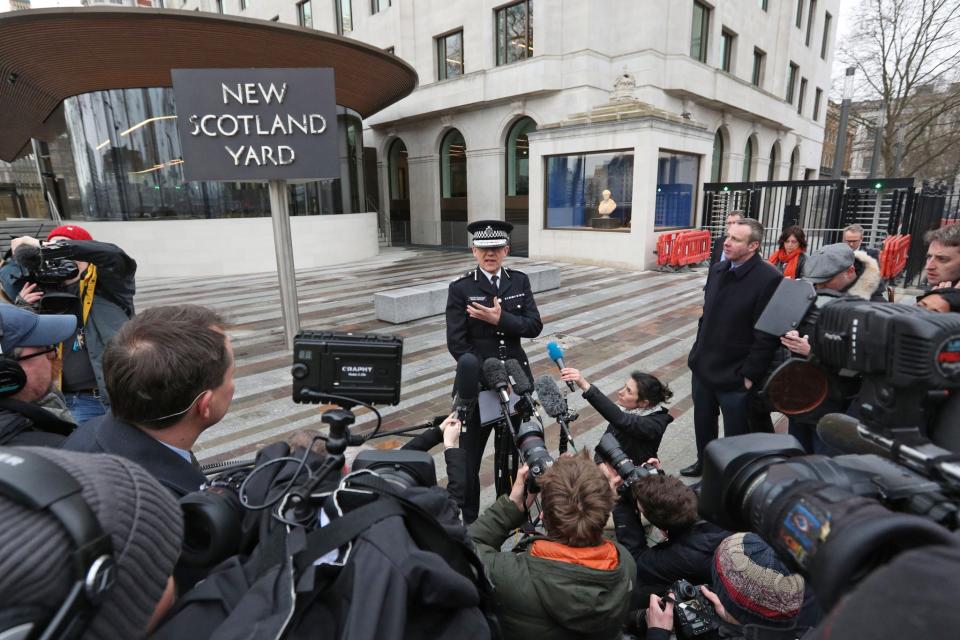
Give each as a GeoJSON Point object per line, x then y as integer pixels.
{"type": "Point", "coordinates": [489, 309]}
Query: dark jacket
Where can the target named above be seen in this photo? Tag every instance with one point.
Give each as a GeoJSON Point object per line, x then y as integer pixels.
{"type": "Point", "coordinates": [519, 317]}
{"type": "Point", "coordinates": [716, 251]}
{"type": "Point", "coordinates": [455, 458]}
{"type": "Point", "coordinates": [728, 348]}
{"type": "Point", "coordinates": [107, 434]}
{"type": "Point", "coordinates": [686, 554]}
{"type": "Point", "coordinates": [639, 436]}
{"type": "Point", "coordinates": [112, 299]}
{"type": "Point", "coordinates": [540, 598]}
{"type": "Point", "coordinates": [29, 425]}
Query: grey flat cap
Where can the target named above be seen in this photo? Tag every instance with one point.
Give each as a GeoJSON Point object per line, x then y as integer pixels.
{"type": "Point", "coordinates": [826, 262]}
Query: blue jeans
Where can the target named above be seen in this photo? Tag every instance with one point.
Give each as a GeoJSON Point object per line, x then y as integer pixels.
{"type": "Point", "coordinates": [84, 406]}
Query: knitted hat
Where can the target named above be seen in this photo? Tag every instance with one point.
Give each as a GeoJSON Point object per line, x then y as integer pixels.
{"type": "Point", "coordinates": [71, 231]}
{"type": "Point", "coordinates": [145, 526]}
{"type": "Point", "coordinates": [753, 584]}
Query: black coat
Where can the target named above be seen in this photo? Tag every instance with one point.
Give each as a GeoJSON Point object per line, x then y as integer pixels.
{"type": "Point", "coordinates": [26, 424]}
{"type": "Point", "coordinates": [728, 348]}
{"type": "Point", "coordinates": [519, 317]}
{"type": "Point", "coordinates": [639, 436]}
{"type": "Point", "coordinates": [685, 554]}
{"type": "Point", "coordinates": [107, 434]}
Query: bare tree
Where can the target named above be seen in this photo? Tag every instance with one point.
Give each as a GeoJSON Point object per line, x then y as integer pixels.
{"type": "Point", "coordinates": [907, 55]}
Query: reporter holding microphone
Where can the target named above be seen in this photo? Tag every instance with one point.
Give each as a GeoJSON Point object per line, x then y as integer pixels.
{"type": "Point", "coordinates": [638, 420]}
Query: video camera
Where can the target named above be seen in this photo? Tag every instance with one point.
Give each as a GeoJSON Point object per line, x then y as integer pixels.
{"type": "Point", "coordinates": [50, 267]}
{"type": "Point", "coordinates": [609, 449]}
{"type": "Point", "coordinates": [831, 519]}
{"type": "Point", "coordinates": [341, 368]}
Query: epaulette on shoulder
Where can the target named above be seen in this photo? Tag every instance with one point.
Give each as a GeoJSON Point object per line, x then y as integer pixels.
{"type": "Point", "coordinates": [512, 271]}
{"type": "Point", "coordinates": [466, 275]}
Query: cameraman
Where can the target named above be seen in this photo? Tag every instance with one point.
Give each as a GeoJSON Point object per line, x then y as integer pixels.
{"type": "Point", "coordinates": [670, 506]}
{"type": "Point", "coordinates": [104, 290]}
{"type": "Point", "coordinates": [753, 594]}
{"type": "Point", "coordinates": [571, 583]}
{"type": "Point", "coordinates": [455, 458]}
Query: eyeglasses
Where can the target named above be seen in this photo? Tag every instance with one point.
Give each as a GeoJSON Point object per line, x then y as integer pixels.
{"type": "Point", "coordinates": [46, 351]}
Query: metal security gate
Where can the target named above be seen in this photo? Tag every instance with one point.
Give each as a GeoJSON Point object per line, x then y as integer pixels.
{"type": "Point", "coordinates": [881, 207]}
{"type": "Point", "coordinates": [814, 205]}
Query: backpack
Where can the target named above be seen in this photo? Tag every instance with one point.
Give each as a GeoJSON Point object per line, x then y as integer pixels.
{"type": "Point", "coordinates": [411, 572]}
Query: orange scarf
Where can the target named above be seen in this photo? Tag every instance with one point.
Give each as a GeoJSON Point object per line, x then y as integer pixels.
{"type": "Point", "coordinates": [791, 259]}
{"type": "Point", "coordinates": [603, 556]}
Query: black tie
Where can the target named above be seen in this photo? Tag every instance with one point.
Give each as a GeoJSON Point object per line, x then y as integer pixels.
{"type": "Point", "coordinates": [495, 281]}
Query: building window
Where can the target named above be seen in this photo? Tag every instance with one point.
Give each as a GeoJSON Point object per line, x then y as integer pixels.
{"type": "Point", "coordinates": [514, 26]}
{"type": "Point", "coordinates": [305, 13]}
{"type": "Point", "coordinates": [219, 6]}
{"type": "Point", "coordinates": [792, 81]}
{"type": "Point", "coordinates": [699, 31]}
{"type": "Point", "coordinates": [772, 167]}
{"type": "Point", "coordinates": [518, 157]}
{"type": "Point", "coordinates": [243, 5]}
{"type": "Point", "coordinates": [344, 11]}
{"type": "Point", "coordinates": [727, 53]}
{"type": "Point", "coordinates": [376, 6]}
{"type": "Point", "coordinates": [399, 171]}
{"type": "Point", "coordinates": [764, 4]}
{"type": "Point", "coordinates": [799, 14]}
{"type": "Point", "coordinates": [827, 19]}
{"type": "Point", "coordinates": [817, 97]}
{"type": "Point", "coordinates": [678, 178]}
{"type": "Point", "coordinates": [453, 165]}
{"type": "Point", "coordinates": [759, 66]}
{"type": "Point", "coordinates": [575, 186]}
{"type": "Point", "coordinates": [794, 161]}
{"type": "Point", "coordinates": [810, 20]}
{"type": "Point", "coordinates": [748, 160]}
{"type": "Point", "coordinates": [716, 161]}
{"type": "Point", "coordinates": [450, 56]}
{"type": "Point", "coordinates": [802, 96]}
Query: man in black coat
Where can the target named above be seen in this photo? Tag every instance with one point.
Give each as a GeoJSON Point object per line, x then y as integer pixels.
{"type": "Point", "coordinates": [169, 372]}
{"type": "Point", "coordinates": [716, 252]}
{"type": "Point", "coordinates": [489, 309]}
{"type": "Point", "coordinates": [729, 356]}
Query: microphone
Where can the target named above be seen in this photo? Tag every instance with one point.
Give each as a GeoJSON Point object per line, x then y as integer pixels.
{"type": "Point", "coordinates": [495, 376]}
{"type": "Point", "coordinates": [556, 407]}
{"type": "Point", "coordinates": [522, 387]}
{"type": "Point", "coordinates": [550, 398]}
{"type": "Point", "coordinates": [556, 354]}
{"type": "Point", "coordinates": [467, 386]}
{"type": "Point", "coordinates": [842, 432]}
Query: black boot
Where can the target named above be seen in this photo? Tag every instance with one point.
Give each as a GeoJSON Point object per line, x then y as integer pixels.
{"type": "Point", "coordinates": [693, 470]}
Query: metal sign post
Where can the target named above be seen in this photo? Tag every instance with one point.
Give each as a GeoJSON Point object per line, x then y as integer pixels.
{"type": "Point", "coordinates": [255, 125]}
{"type": "Point", "coordinates": [286, 273]}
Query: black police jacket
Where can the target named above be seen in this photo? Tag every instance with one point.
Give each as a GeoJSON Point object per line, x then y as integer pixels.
{"type": "Point", "coordinates": [519, 317]}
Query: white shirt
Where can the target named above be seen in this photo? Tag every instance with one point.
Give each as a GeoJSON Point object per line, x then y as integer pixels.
{"type": "Point", "coordinates": [499, 275]}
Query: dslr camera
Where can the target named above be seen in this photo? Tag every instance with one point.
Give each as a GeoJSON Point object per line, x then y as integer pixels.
{"type": "Point", "coordinates": [693, 614]}
{"type": "Point", "coordinates": [609, 449]}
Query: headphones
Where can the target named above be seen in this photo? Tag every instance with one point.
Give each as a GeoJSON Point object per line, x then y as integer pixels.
{"type": "Point", "coordinates": [40, 484]}
{"type": "Point", "coordinates": [12, 376]}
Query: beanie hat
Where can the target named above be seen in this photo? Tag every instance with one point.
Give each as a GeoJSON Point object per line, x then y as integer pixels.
{"type": "Point", "coordinates": [145, 526]}
{"type": "Point", "coordinates": [71, 231]}
{"type": "Point", "coordinates": [753, 585]}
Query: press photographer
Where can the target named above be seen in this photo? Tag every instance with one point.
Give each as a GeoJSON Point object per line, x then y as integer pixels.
{"type": "Point", "coordinates": [70, 273]}
{"type": "Point", "coordinates": [570, 583]}
{"type": "Point", "coordinates": [670, 506]}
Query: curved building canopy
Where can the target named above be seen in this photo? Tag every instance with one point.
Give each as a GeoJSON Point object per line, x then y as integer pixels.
{"type": "Point", "coordinates": [48, 55]}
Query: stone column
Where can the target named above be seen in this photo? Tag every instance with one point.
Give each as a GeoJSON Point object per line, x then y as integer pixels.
{"type": "Point", "coordinates": [485, 184]}
{"type": "Point", "coordinates": [424, 198]}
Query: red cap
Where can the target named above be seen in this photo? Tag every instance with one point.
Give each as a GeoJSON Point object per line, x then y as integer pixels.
{"type": "Point", "coordinates": [71, 231]}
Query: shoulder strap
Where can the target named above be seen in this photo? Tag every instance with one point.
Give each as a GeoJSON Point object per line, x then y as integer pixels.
{"type": "Point", "coordinates": [344, 529]}
{"type": "Point", "coordinates": [41, 418]}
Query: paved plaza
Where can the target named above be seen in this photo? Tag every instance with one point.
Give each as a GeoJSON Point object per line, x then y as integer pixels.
{"type": "Point", "coordinates": [610, 321]}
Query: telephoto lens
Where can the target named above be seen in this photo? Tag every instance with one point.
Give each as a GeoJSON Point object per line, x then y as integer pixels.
{"type": "Point", "coordinates": [533, 452]}
{"type": "Point", "coordinates": [609, 449]}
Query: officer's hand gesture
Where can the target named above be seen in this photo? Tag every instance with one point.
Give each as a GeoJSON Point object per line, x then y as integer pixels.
{"type": "Point", "coordinates": [490, 315]}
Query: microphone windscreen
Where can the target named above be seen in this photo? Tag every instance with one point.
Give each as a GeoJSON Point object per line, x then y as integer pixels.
{"type": "Point", "coordinates": [549, 395]}
{"type": "Point", "coordinates": [554, 351]}
{"type": "Point", "coordinates": [521, 383]}
{"type": "Point", "coordinates": [494, 374]}
{"type": "Point", "coordinates": [840, 432]}
{"type": "Point", "coordinates": [468, 377]}
{"type": "Point", "coordinates": [28, 256]}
